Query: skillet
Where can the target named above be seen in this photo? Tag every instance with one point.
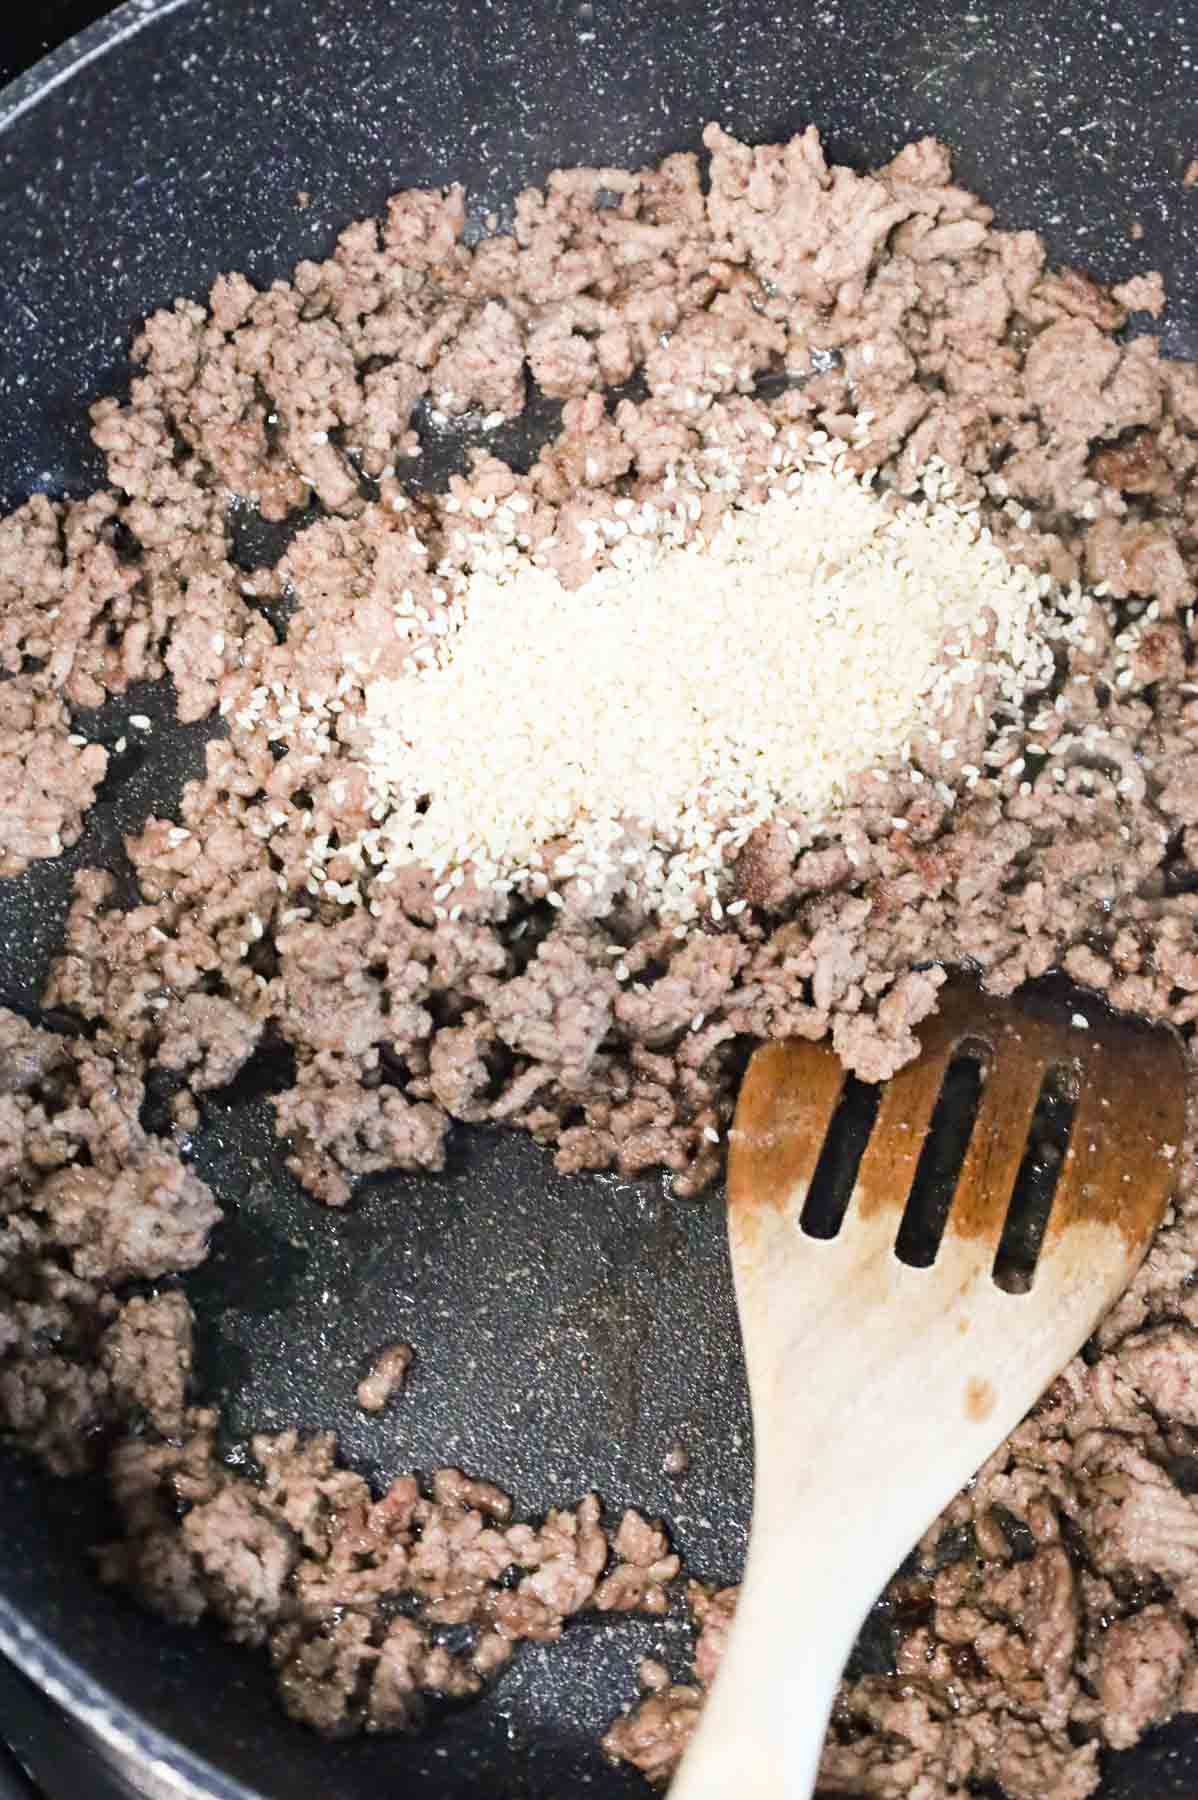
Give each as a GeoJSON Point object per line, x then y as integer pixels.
{"type": "Point", "coordinates": [570, 1331]}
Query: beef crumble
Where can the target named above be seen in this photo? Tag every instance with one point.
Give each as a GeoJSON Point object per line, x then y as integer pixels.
{"type": "Point", "coordinates": [385, 1377]}
{"type": "Point", "coordinates": [894, 321]}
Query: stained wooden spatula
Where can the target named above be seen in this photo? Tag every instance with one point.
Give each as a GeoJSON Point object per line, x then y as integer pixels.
{"type": "Point", "coordinates": [879, 1386]}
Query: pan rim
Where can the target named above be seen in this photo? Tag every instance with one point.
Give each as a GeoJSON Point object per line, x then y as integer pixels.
{"type": "Point", "coordinates": [175, 1769]}
{"type": "Point", "coordinates": [59, 66]}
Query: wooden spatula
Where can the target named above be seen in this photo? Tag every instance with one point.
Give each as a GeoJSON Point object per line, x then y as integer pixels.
{"type": "Point", "coordinates": [879, 1387]}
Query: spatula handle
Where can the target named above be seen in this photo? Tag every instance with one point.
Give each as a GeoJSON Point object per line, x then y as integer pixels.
{"type": "Point", "coordinates": [802, 1602]}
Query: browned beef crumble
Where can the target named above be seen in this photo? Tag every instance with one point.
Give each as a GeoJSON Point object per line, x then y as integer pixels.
{"type": "Point", "coordinates": [385, 1377]}
{"type": "Point", "coordinates": [906, 326]}
{"type": "Point", "coordinates": [46, 782]}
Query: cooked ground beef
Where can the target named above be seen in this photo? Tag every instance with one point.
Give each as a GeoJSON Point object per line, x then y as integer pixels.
{"type": "Point", "coordinates": [47, 782]}
{"type": "Point", "coordinates": [385, 1377]}
{"type": "Point", "coordinates": [309, 1562]}
{"type": "Point", "coordinates": [1054, 1610]}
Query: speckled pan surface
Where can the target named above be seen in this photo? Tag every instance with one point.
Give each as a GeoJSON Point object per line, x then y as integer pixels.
{"type": "Point", "coordinates": [569, 1331]}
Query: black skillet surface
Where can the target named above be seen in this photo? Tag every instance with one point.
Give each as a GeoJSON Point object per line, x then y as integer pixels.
{"type": "Point", "coordinates": [568, 1331]}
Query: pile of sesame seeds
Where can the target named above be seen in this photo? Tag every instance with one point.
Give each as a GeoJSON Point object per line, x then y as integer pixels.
{"type": "Point", "coordinates": [756, 638]}
{"type": "Point", "coordinates": [645, 723]}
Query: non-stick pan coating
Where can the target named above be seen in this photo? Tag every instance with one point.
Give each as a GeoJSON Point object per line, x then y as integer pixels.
{"type": "Point", "coordinates": [569, 1331]}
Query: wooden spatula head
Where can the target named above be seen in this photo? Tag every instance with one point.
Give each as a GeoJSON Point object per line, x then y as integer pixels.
{"type": "Point", "coordinates": [880, 1378]}
{"type": "Point", "coordinates": [1124, 1078]}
